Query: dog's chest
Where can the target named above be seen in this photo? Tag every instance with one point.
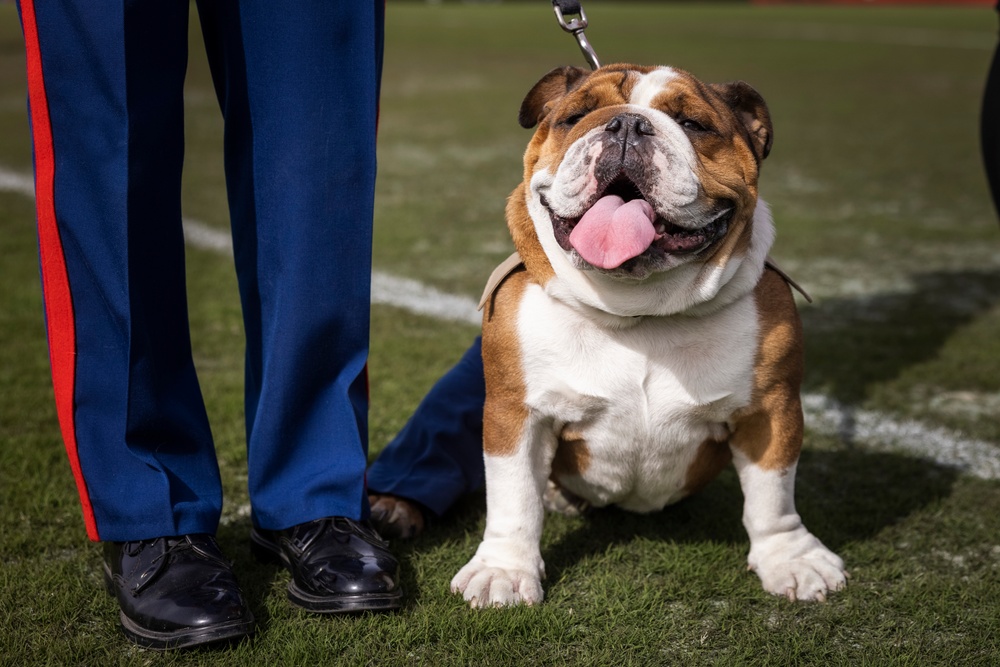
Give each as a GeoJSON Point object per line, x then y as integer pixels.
{"type": "Point", "coordinates": [630, 409]}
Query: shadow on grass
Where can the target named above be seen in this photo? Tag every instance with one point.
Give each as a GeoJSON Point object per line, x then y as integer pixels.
{"type": "Point", "coordinates": [843, 496]}
{"type": "Point", "coordinates": [853, 343]}
{"type": "Point", "coordinates": [256, 579]}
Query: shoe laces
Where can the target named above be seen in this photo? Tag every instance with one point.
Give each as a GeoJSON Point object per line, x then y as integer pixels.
{"type": "Point", "coordinates": [172, 547]}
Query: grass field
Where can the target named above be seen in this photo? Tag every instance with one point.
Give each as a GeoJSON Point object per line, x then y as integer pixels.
{"type": "Point", "coordinates": [882, 213]}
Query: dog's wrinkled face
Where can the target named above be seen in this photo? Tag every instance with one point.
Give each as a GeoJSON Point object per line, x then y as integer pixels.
{"type": "Point", "coordinates": [637, 170]}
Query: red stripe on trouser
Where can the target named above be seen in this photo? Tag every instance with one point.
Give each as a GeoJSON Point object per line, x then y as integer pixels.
{"type": "Point", "coordinates": [55, 280]}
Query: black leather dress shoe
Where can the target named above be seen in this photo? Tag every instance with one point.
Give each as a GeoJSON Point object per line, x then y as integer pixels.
{"type": "Point", "coordinates": [175, 592]}
{"type": "Point", "coordinates": [337, 565]}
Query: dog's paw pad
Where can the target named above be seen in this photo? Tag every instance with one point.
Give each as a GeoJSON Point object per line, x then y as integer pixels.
{"type": "Point", "coordinates": [809, 578]}
{"type": "Point", "coordinates": [483, 586]}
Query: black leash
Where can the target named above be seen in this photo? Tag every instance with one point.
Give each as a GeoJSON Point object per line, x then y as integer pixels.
{"type": "Point", "coordinates": [576, 26]}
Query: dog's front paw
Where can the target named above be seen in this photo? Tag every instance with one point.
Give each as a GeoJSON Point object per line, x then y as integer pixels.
{"type": "Point", "coordinates": [485, 586]}
{"type": "Point", "coordinates": [799, 568]}
{"type": "Point", "coordinates": [503, 573]}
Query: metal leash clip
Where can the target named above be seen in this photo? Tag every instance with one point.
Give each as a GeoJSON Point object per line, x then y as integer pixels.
{"type": "Point", "coordinates": [576, 26]}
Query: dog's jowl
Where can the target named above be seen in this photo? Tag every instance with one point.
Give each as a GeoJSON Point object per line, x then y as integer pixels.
{"type": "Point", "coordinates": [645, 343]}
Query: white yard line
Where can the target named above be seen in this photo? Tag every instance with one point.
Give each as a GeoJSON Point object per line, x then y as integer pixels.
{"type": "Point", "coordinates": [11, 181]}
{"type": "Point", "coordinates": [416, 297]}
{"type": "Point", "coordinates": [387, 289]}
{"type": "Point", "coordinates": [875, 430]}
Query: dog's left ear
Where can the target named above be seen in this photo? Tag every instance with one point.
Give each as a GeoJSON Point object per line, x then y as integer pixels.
{"type": "Point", "coordinates": [751, 110]}
{"type": "Point", "coordinates": [551, 87]}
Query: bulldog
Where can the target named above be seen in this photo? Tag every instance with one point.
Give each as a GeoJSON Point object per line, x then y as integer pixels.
{"type": "Point", "coordinates": [641, 341]}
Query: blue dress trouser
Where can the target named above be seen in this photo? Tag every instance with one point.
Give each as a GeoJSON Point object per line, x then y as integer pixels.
{"type": "Point", "coordinates": [438, 456]}
{"type": "Point", "coordinates": [297, 83]}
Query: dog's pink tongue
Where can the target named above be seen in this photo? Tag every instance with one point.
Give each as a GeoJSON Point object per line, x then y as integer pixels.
{"type": "Point", "coordinates": [613, 232]}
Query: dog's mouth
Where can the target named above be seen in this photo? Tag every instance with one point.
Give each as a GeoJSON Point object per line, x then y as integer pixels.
{"type": "Point", "coordinates": [620, 225]}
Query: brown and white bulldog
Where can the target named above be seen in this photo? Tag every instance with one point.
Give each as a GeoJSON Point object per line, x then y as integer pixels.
{"type": "Point", "coordinates": [645, 342]}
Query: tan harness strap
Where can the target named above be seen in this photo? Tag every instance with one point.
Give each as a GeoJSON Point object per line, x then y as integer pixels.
{"type": "Point", "coordinates": [507, 267]}
{"type": "Point", "coordinates": [770, 263]}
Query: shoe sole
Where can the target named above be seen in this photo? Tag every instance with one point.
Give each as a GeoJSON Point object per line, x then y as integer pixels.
{"type": "Point", "coordinates": [267, 552]}
{"type": "Point", "coordinates": [184, 638]}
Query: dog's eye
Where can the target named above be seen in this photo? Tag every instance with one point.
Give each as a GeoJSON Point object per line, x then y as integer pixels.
{"type": "Point", "coordinates": [691, 125]}
{"type": "Point", "coordinates": [571, 120]}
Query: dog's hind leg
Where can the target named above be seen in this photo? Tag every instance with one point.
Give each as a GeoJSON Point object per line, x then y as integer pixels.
{"type": "Point", "coordinates": [560, 501]}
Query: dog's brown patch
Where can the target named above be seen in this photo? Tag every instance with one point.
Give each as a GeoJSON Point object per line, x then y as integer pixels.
{"type": "Point", "coordinates": [712, 457]}
{"type": "Point", "coordinates": [505, 413]}
{"type": "Point", "coordinates": [769, 431]}
{"type": "Point", "coordinates": [572, 454]}
{"type": "Point", "coordinates": [522, 230]}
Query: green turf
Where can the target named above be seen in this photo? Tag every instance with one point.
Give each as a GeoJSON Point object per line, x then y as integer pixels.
{"type": "Point", "coordinates": [882, 213]}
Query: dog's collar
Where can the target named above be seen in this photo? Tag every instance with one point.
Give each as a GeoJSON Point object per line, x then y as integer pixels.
{"type": "Point", "coordinates": [515, 263]}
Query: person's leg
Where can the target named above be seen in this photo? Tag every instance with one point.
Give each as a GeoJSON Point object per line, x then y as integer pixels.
{"type": "Point", "coordinates": [105, 85]}
{"type": "Point", "coordinates": [298, 84]}
{"type": "Point", "coordinates": [990, 128]}
{"type": "Point", "coordinates": [105, 92]}
{"type": "Point", "coordinates": [438, 455]}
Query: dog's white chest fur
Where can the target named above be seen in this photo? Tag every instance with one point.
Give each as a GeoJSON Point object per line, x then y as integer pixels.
{"type": "Point", "coordinates": [641, 400]}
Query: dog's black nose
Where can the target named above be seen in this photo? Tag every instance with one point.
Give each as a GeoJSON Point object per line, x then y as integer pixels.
{"type": "Point", "coordinates": [628, 123]}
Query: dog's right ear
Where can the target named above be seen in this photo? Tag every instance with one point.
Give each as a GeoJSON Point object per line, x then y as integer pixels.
{"type": "Point", "coordinates": [550, 88]}
{"type": "Point", "coordinates": [751, 110]}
